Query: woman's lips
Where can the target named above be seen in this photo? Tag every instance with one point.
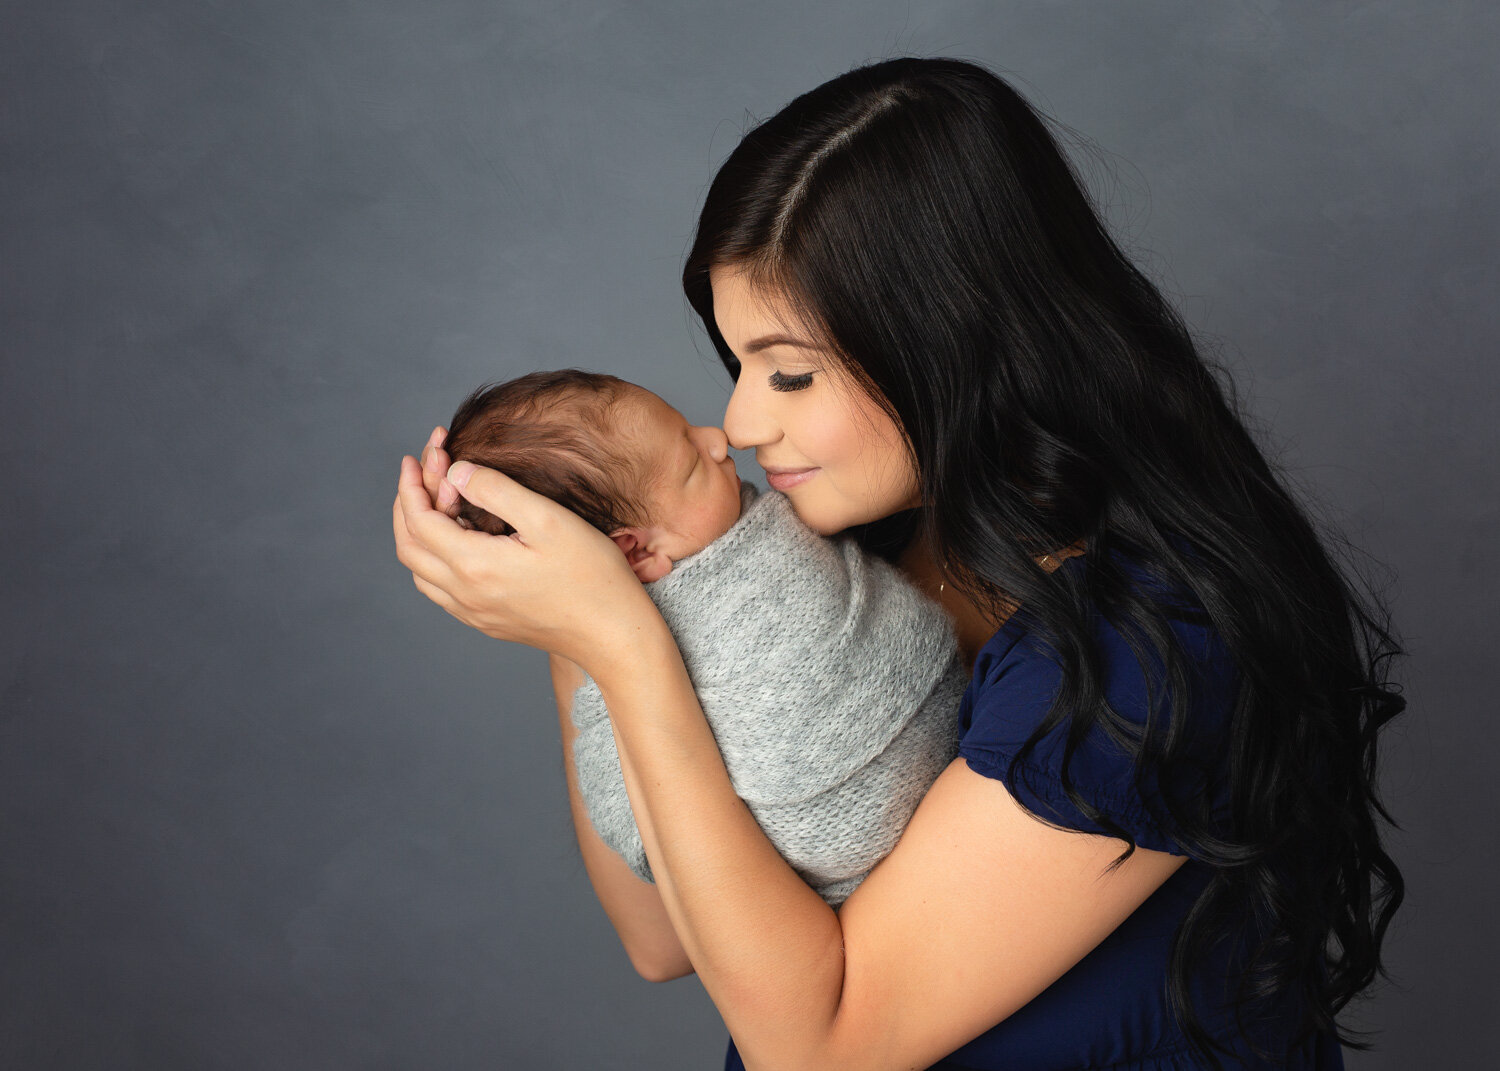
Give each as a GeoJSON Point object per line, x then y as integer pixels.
{"type": "Point", "coordinates": [780, 481]}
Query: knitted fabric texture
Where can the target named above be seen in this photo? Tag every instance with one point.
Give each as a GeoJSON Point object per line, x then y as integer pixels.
{"type": "Point", "coordinates": [830, 683]}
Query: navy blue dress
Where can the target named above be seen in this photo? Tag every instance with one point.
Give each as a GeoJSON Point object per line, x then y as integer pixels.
{"type": "Point", "coordinates": [1111, 1011]}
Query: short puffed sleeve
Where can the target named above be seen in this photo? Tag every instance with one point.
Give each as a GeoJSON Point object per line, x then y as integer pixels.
{"type": "Point", "coordinates": [1014, 681]}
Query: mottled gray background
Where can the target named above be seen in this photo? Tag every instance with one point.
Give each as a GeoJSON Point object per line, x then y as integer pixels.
{"type": "Point", "coordinates": [263, 805]}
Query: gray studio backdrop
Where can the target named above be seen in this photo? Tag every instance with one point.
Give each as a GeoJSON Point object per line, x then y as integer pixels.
{"type": "Point", "coordinates": [264, 806]}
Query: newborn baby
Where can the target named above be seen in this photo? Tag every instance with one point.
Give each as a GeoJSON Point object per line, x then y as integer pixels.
{"type": "Point", "coordinates": [830, 683]}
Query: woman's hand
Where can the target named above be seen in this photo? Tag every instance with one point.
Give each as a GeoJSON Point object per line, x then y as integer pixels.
{"type": "Point", "coordinates": [435, 461]}
{"type": "Point", "coordinates": [557, 584]}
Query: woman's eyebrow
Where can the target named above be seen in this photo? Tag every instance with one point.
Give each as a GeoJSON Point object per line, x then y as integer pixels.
{"type": "Point", "coordinates": [767, 341]}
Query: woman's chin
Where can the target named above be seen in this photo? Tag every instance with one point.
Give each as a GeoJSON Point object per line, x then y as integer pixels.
{"type": "Point", "coordinates": [823, 521]}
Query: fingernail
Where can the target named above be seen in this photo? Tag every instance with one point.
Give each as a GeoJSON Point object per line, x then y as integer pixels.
{"type": "Point", "coordinates": [432, 440]}
{"type": "Point", "coordinates": [459, 473]}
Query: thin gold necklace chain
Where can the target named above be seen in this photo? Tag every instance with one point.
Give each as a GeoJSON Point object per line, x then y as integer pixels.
{"type": "Point", "coordinates": [1045, 559]}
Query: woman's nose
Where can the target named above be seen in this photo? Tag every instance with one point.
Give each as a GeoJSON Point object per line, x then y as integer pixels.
{"type": "Point", "coordinates": [744, 426]}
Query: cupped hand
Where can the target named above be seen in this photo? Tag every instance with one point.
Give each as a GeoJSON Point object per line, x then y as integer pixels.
{"type": "Point", "coordinates": [557, 584]}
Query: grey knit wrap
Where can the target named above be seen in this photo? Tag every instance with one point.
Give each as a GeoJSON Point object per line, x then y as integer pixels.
{"type": "Point", "coordinates": [831, 685]}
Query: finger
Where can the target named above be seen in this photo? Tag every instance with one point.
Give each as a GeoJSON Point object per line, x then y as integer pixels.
{"type": "Point", "coordinates": [434, 469]}
{"type": "Point", "coordinates": [412, 509]}
{"type": "Point", "coordinates": [435, 531]}
{"type": "Point", "coordinates": [436, 594]}
{"type": "Point", "coordinates": [411, 490]}
{"type": "Point", "coordinates": [434, 442]}
{"type": "Point", "coordinates": [424, 564]}
{"type": "Point", "coordinates": [409, 549]}
{"type": "Point", "coordinates": [447, 498]}
{"type": "Point", "coordinates": [496, 493]}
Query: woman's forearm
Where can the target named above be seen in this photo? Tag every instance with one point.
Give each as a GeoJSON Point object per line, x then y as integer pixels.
{"type": "Point", "coordinates": [634, 907]}
{"type": "Point", "coordinates": [767, 947]}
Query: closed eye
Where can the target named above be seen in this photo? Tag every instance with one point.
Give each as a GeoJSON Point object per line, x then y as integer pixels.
{"type": "Point", "coordinates": [788, 383]}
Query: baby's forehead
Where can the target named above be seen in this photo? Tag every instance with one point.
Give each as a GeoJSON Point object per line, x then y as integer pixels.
{"type": "Point", "coordinates": [646, 432]}
{"type": "Point", "coordinates": [636, 426]}
{"type": "Point", "coordinates": [644, 415]}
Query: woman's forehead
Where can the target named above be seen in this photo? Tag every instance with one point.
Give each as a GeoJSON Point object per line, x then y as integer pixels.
{"type": "Point", "coordinates": [750, 308]}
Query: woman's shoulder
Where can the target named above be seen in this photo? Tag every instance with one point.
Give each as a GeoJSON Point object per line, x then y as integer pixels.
{"type": "Point", "coordinates": [1020, 639]}
{"type": "Point", "coordinates": [1018, 674]}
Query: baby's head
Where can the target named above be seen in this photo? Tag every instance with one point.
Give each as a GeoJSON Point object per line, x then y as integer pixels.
{"type": "Point", "coordinates": [612, 452]}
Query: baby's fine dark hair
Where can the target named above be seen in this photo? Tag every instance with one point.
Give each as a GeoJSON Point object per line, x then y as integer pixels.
{"type": "Point", "coordinates": [920, 217]}
{"type": "Point", "coordinates": [557, 433]}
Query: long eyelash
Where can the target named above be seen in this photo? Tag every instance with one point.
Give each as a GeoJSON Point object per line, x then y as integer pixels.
{"type": "Point", "coordinates": [781, 382]}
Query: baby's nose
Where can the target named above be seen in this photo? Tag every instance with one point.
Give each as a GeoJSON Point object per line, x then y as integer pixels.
{"type": "Point", "coordinates": [718, 442]}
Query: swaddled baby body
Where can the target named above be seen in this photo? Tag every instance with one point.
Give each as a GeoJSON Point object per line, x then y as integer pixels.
{"type": "Point", "coordinates": [831, 684]}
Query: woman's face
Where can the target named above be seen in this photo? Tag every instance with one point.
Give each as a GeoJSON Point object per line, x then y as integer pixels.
{"type": "Point", "coordinates": [796, 408]}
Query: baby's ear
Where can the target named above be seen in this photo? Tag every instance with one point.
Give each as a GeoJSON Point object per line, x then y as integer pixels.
{"type": "Point", "coordinates": [648, 564]}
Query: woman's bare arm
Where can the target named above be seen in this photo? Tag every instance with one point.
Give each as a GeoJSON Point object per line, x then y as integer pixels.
{"type": "Point", "coordinates": [634, 907]}
{"type": "Point", "coordinates": [979, 908]}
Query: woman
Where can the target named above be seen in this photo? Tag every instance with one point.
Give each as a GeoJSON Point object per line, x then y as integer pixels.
{"type": "Point", "coordinates": [1159, 847]}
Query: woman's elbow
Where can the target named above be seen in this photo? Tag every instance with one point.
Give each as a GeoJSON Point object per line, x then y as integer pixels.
{"type": "Point", "coordinates": [658, 965]}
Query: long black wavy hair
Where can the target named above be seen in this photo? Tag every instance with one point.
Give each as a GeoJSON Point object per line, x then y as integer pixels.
{"type": "Point", "coordinates": [920, 218]}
